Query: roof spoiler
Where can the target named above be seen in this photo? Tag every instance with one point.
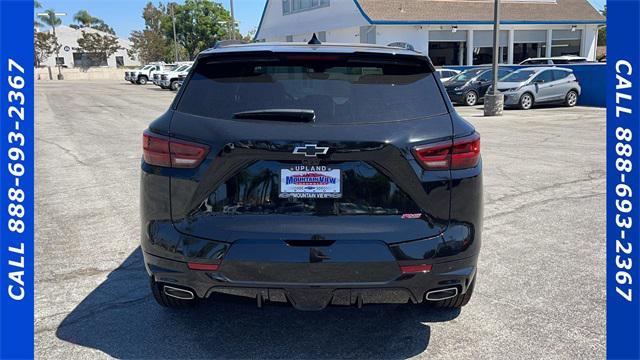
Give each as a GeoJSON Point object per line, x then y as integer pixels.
{"type": "Point", "coordinates": [225, 43]}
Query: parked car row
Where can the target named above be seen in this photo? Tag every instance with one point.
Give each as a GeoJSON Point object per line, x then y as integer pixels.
{"type": "Point", "coordinates": [167, 76]}
{"type": "Point", "coordinates": [170, 79]}
{"type": "Point", "coordinates": [522, 88]}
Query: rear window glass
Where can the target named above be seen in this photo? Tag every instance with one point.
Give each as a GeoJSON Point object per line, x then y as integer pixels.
{"type": "Point", "coordinates": [339, 89]}
{"type": "Point", "coordinates": [519, 76]}
{"type": "Point", "coordinates": [560, 74]}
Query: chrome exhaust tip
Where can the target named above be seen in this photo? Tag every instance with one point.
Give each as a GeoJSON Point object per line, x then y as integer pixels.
{"type": "Point", "coordinates": [442, 294]}
{"type": "Point", "coordinates": [177, 293]}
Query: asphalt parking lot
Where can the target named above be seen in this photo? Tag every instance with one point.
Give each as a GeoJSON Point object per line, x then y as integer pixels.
{"type": "Point", "coordinates": [541, 285]}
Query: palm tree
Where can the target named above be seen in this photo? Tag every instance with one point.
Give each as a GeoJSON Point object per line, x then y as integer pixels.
{"type": "Point", "coordinates": [37, 5]}
{"type": "Point", "coordinates": [51, 19]}
{"type": "Point", "coordinates": [83, 18]}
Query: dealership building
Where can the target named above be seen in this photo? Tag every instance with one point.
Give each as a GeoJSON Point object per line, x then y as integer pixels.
{"type": "Point", "coordinates": [70, 56]}
{"type": "Point", "coordinates": [451, 32]}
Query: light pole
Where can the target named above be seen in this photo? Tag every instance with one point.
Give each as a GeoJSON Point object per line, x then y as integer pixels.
{"type": "Point", "coordinates": [52, 19]}
{"type": "Point", "coordinates": [494, 102]}
{"type": "Point", "coordinates": [233, 21]}
{"type": "Point", "coordinates": [175, 39]}
{"type": "Point", "coordinates": [228, 24]}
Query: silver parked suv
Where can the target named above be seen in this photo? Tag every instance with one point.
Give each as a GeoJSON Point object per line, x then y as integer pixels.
{"type": "Point", "coordinates": [537, 85]}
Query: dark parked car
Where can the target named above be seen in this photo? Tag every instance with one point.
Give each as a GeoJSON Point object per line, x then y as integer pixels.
{"type": "Point", "coordinates": [311, 174]}
{"type": "Point", "coordinates": [470, 86]}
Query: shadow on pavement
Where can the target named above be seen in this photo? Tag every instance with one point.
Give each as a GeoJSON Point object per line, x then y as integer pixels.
{"type": "Point", "coordinates": [121, 319]}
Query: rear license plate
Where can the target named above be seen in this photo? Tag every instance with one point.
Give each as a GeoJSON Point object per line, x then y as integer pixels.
{"type": "Point", "coordinates": [310, 182]}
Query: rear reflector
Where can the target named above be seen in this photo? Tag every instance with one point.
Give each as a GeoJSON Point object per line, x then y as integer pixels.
{"type": "Point", "coordinates": [462, 153]}
{"type": "Point", "coordinates": [412, 269]}
{"type": "Point", "coordinates": [164, 151]}
{"type": "Point", "coordinates": [205, 267]}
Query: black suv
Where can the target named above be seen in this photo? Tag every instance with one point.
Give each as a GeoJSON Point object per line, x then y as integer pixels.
{"type": "Point", "coordinates": [312, 174]}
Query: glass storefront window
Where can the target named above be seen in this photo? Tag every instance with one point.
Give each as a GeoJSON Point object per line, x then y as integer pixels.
{"type": "Point", "coordinates": [565, 47]}
{"type": "Point", "coordinates": [484, 55]}
{"type": "Point", "coordinates": [448, 52]}
{"type": "Point", "coordinates": [566, 42]}
{"type": "Point", "coordinates": [525, 51]}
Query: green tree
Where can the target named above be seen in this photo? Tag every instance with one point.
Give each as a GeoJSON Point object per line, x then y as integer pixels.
{"type": "Point", "coordinates": [102, 26]}
{"type": "Point", "coordinates": [250, 35]}
{"type": "Point", "coordinates": [602, 31]}
{"type": "Point", "coordinates": [50, 19]}
{"type": "Point", "coordinates": [84, 20]}
{"type": "Point", "coordinates": [199, 25]}
{"type": "Point", "coordinates": [98, 47]}
{"type": "Point", "coordinates": [45, 45]}
{"type": "Point", "coordinates": [150, 44]}
{"type": "Point", "coordinates": [37, 5]}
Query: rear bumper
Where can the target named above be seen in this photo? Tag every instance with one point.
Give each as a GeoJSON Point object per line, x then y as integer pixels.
{"type": "Point", "coordinates": [354, 273]}
{"type": "Point", "coordinates": [402, 288]}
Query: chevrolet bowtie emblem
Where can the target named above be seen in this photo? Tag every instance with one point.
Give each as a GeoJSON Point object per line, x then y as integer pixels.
{"type": "Point", "coordinates": [310, 150]}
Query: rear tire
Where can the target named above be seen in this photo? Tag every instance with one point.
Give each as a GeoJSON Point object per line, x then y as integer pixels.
{"type": "Point", "coordinates": [471, 98]}
{"type": "Point", "coordinates": [142, 80]}
{"type": "Point", "coordinates": [167, 301]}
{"type": "Point", "coordinates": [571, 99]}
{"type": "Point", "coordinates": [526, 101]}
{"type": "Point", "coordinates": [457, 301]}
{"type": "Point", "coordinates": [174, 85]}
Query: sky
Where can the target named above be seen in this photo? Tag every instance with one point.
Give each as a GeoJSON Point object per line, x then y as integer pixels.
{"type": "Point", "coordinates": [126, 15]}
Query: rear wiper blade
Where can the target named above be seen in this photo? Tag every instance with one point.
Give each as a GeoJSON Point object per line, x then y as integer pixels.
{"type": "Point", "coordinates": [294, 115]}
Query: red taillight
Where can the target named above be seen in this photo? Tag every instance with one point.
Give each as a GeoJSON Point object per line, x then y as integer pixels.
{"type": "Point", "coordinates": [463, 153]}
{"type": "Point", "coordinates": [412, 269]}
{"type": "Point", "coordinates": [163, 151]}
{"type": "Point", "coordinates": [204, 267]}
{"type": "Point", "coordinates": [433, 156]}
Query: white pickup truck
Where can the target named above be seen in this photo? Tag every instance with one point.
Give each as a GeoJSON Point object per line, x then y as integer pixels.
{"type": "Point", "coordinates": [141, 76]}
{"type": "Point", "coordinates": [169, 80]}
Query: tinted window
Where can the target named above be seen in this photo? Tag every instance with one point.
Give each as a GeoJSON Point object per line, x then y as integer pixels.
{"type": "Point", "coordinates": [519, 76]}
{"type": "Point", "coordinates": [560, 74]}
{"type": "Point", "coordinates": [486, 76]}
{"type": "Point", "coordinates": [467, 75]}
{"type": "Point", "coordinates": [503, 73]}
{"type": "Point", "coordinates": [337, 88]}
{"type": "Point", "coordinates": [545, 76]}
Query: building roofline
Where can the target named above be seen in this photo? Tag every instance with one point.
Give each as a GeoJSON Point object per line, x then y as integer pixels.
{"type": "Point", "coordinates": [264, 10]}
{"type": "Point", "coordinates": [470, 22]}
{"type": "Point", "coordinates": [450, 22]}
